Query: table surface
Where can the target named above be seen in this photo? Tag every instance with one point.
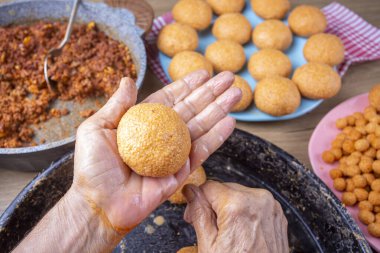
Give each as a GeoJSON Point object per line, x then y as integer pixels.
{"type": "Point", "coordinates": [292, 135]}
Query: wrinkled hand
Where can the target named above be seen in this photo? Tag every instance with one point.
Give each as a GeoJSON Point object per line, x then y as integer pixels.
{"type": "Point", "coordinates": [121, 197]}
{"type": "Point", "coordinates": [232, 218]}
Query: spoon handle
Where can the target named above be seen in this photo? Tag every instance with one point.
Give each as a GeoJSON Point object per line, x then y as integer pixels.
{"type": "Point", "coordinates": [70, 24]}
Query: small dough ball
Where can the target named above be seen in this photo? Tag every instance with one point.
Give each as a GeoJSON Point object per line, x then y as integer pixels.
{"type": "Point", "coordinates": [366, 217]}
{"type": "Point", "coordinates": [350, 171]}
{"type": "Point", "coordinates": [348, 146]}
{"type": "Point", "coordinates": [365, 164]}
{"type": "Point", "coordinates": [335, 173]}
{"type": "Point", "coordinates": [374, 198]}
{"type": "Point", "coordinates": [377, 218]}
{"type": "Point", "coordinates": [361, 194]}
{"type": "Point", "coordinates": [232, 26]}
{"type": "Point", "coordinates": [374, 229]}
{"type": "Point", "coordinates": [350, 187]}
{"type": "Point", "coordinates": [187, 62]}
{"type": "Point", "coordinates": [374, 97]}
{"type": "Point", "coordinates": [226, 55]}
{"type": "Point", "coordinates": [189, 249]}
{"type": "Point", "coordinates": [361, 145]}
{"type": "Point", "coordinates": [277, 96]}
{"type": "Point", "coordinates": [337, 153]}
{"type": "Point", "coordinates": [195, 13]}
{"type": "Point", "coordinates": [247, 94]}
{"type": "Point", "coordinates": [153, 140]}
{"type": "Point", "coordinates": [349, 198]}
{"type": "Point", "coordinates": [198, 177]}
{"type": "Point", "coordinates": [226, 6]}
{"type": "Point", "coordinates": [340, 184]}
{"type": "Point", "coordinates": [359, 181]}
{"type": "Point", "coordinates": [341, 123]}
{"type": "Point", "coordinates": [306, 20]}
{"type": "Point", "coordinates": [328, 157]}
{"type": "Point", "coordinates": [317, 80]}
{"type": "Point", "coordinates": [177, 37]}
{"type": "Point", "coordinates": [376, 166]}
{"type": "Point", "coordinates": [270, 9]}
{"type": "Point", "coordinates": [268, 63]}
{"type": "Point", "coordinates": [376, 209]}
{"type": "Point", "coordinates": [369, 177]}
{"type": "Point", "coordinates": [324, 48]}
{"type": "Point", "coordinates": [272, 34]}
{"type": "Point", "coordinates": [365, 205]}
{"type": "Point", "coordinates": [375, 185]}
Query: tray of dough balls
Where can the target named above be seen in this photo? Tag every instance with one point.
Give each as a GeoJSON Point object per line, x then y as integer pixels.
{"type": "Point", "coordinates": [284, 64]}
{"type": "Point", "coordinates": [344, 151]}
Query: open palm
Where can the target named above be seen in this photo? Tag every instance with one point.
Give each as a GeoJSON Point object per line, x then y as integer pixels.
{"type": "Point", "coordinates": [121, 196]}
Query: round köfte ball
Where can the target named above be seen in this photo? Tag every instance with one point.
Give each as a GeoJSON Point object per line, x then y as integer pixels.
{"type": "Point", "coordinates": [177, 37]}
{"type": "Point", "coordinates": [324, 48]}
{"type": "Point", "coordinates": [226, 6]}
{"type": "Point", "coordinates": [195, 13]}
{"type": "Point", "coordinates": [187, 62]}
{"type": "Point", "coordinates": [270, 9]}
{"type": "Point", "coordinates": [272, 34]}
{"type": "Point", "coordinates": [306, 20]}
{"type": "Point", "coordinates": [317, 80]}
{"type": "Point", "coordinates": [226, 55]}
{"type": "Point", "coordinates": [232, 26]}
{"type": "Point", "coordinates": [153, 140]}
{"type": "Point", "coordinates": [198, 177]}
{"type": "Point", "coordinates": [268, 63]}
{"type": "Point", "coordinates": [189, 249]}
{"type": "Point", "coordinates": [247, 94]}
{"type": "Point", "coordinates": [277, 96]}
{"type": "Point", "coordinates": [374, 97]}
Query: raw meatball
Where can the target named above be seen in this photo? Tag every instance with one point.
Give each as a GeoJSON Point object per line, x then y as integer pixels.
{"type": "Point", "coordinates": [232, 26]}
{"type": "Point", "coordinates": [195, 13]}
{"type": "Point", "coordinates": [186, 62]}
{"type": "Point", "coordinates": [306, 20]}
{"type": "Point", "coordinates": [270, 9]}
{"type": "Point", "coordinates": [272, 34]}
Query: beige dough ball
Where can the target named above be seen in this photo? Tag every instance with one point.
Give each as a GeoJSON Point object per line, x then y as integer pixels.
{"type": "Point", "coordinates": [269, 62]}
{"type": "Point", "coordinates": [374, 97]}
{"type": "Point", "coordinates": [189, 249]}
{"type": "Point", "coordinates": [270, 9]}
{"type": "Point", "coordinates": [306, 20]}
{"type": "Point", "coordinates": [187, 62]}
{"type": "Point", "coordinates": [195, 13]}
{"type": "Point", "coordinates": [226, 6]}
{"type": "Point", "coordinates": [247, 94]}
{"type": "Point", "coordinates": [317, 80]}
{"type": "Point", "coordinates": [232, 26]}
{"type": "Point", "coordinates": [272, 34]}
{"type": "Point", "coordinates": [177, 37]}
{"type": "Point", "coordinates": [277, 96]}
{"type": "Point", "coordinates": [226, 55]}
{"type": "Point", "coordinates": [153, 140]}
{"type": "Point", "coordinates": [324, 48]}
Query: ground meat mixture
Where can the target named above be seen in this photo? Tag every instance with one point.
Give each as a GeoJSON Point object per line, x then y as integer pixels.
{"type": "Point", "coordinates": [91, 64]}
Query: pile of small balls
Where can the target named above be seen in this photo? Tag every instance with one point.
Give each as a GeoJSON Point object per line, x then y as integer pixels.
{"type": "Point", "coordinates": [357, 149]}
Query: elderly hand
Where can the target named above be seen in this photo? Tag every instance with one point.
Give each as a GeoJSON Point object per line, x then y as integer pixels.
{"type": "Point", "coordinates": [232, 218]}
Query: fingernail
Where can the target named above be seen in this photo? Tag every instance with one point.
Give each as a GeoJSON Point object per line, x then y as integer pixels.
{"type": "Point", "coordinates": [189, 192]}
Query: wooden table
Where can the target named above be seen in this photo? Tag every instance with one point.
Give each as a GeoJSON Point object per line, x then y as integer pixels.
{"type": "Point", "coordinates": [292, 136]}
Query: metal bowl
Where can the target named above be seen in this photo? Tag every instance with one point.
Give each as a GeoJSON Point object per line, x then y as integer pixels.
{"type": "Point", "coordinates": [59, 134]}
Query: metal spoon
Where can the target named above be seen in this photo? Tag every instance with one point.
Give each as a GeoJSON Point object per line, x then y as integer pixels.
{"type": "Point", "coordinates": [57, 51]}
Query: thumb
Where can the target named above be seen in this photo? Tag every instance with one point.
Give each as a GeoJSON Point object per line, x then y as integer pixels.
{"type": "Point", "coordinates": [200, 214]}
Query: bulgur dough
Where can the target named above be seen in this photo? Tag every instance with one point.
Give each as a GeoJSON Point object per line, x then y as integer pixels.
{"type": "Point", "coordinates": [277, 96]}
{"type": "Point", "coordinates": [226, 55]}
{"type": "Point", "coordinates": [246, 92]}
{"type": "Point", "coordinates": [270, 9]}
{"type": "Point", "coordinates": [153, 140]}
{"type": "Point", "coordinates": [189, 249]}
{"type": "Point", "coordinates": [177, 37]}
{"type": "Point", "coordinates": [324, 48]}
{"type": "Point", "coordinates": [374, 97]}
{"type": "Point", "coordinates": [317, 80]}
{"type": "Point", "coordinates": [186, 62]}
{"type": "Point", "coordinates": [226, 6]}
{"type": "Point", "coordinates": [195, 13]}
{"type": "Point", "coordinates": [268, 63]}
{"type": "Point", "coordinates": [272, 34]}
{"type": "Point", "coordinates": [198, 177]}
{"type": "Point", "coordinates": [306, 20]}
{"type": "Point", "coordinates": [232, 26]}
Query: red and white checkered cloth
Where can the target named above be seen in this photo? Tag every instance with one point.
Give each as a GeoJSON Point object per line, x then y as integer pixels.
{"type": "Point", "coordinates": [361, 39]}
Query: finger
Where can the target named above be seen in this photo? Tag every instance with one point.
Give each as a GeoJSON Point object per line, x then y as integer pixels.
{"type": "Point", "coordinates": [204, 146]}
{"type": "Point", "coordinates": [110, 114]}
{"type": "Point", "coordinates": [199, 213]}
{"type": "Point", "coordinates": [213, 113]}
{"type": "Point", "coordinates": [213, 192]}
{"type": "Point", "coordinates": [277, 228]}
{"type": "Point", "coordinates": [175, 92]}
{"type": "Point", "coordinates": [283, 228]}
{"type": "Point", "coordinates": [204, 95]}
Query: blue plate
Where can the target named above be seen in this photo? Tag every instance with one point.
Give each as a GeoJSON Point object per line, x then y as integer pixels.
{"type": "Point", "coordinates": [295, 53]}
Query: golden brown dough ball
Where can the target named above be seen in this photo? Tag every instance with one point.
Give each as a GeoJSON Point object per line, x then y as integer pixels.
{"type": "Point", "coordinates": [335, 173]}
{"type": "Point", "coordinates": [365, 205]}
{"type": "Point", "coordinates": [361, 194]}
{"type": "Point", "coordinates": [348, 146]}
{"type": "Point", "coordinates": [341, 123]}
{"type": "Point", "coordinates": [195, 13]}
{"type": "Point", "coordinates": [375, 185]}
{"type": "Point", "coordinates": [272, 34]}
{"type": "Point", "coordinates": [187, 62]}
{"type": "Point", "coordinates": [366, 217]}
{"type": "Point", "coordinates": [226, 6]}
{"type": "Point", "coordinates": [189, 249]}
{"type": "Point", "coordinates": [374, 229]}
{"type": "Point", "coordinates": [349, 198]}
{"type": "Point", "coordinates": [306, 20]}
{"type": "Point", "coordinates": [226, 55]}
{"type": "Point", "coordinates": [232, 26]}
{"type": "Point", "coordinates": [376, 166]}
{"type": "Point", "coordinates": [350, 187]}
{"type": "Point", "coordinates": [268, 63]}
{"type": "Point", "coordinates": [270, 9]}
{"type": "Point", "coordinates": [317, 80]}
{"type": "Point", "coordinates": [247, 94]}
{"type": "Point", "coordinates": [359, 181]}
{"type": "Point", "coordinates": [328, 157]}
{"type": "Point", "coordinates": [365, 164]}
{"type": "Point", "coordinates": [369, 177]}
{"type": "Point", "coordinates": [324, 48]}
{"type": "Point", "coordinates": [337, 152]}
{"type": "Point", "coordinates": [374, 97]}
{"type": "Point", "coordinates": [374, 198]}
{"type": "Point", "coordinates": [350, 171]}
{"type": "Point", "coordinates": [361, 145]}
{"type": "Point", "coordinates": [277, 96]}
{"type": "Point", "coordinates": [339, 184]}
